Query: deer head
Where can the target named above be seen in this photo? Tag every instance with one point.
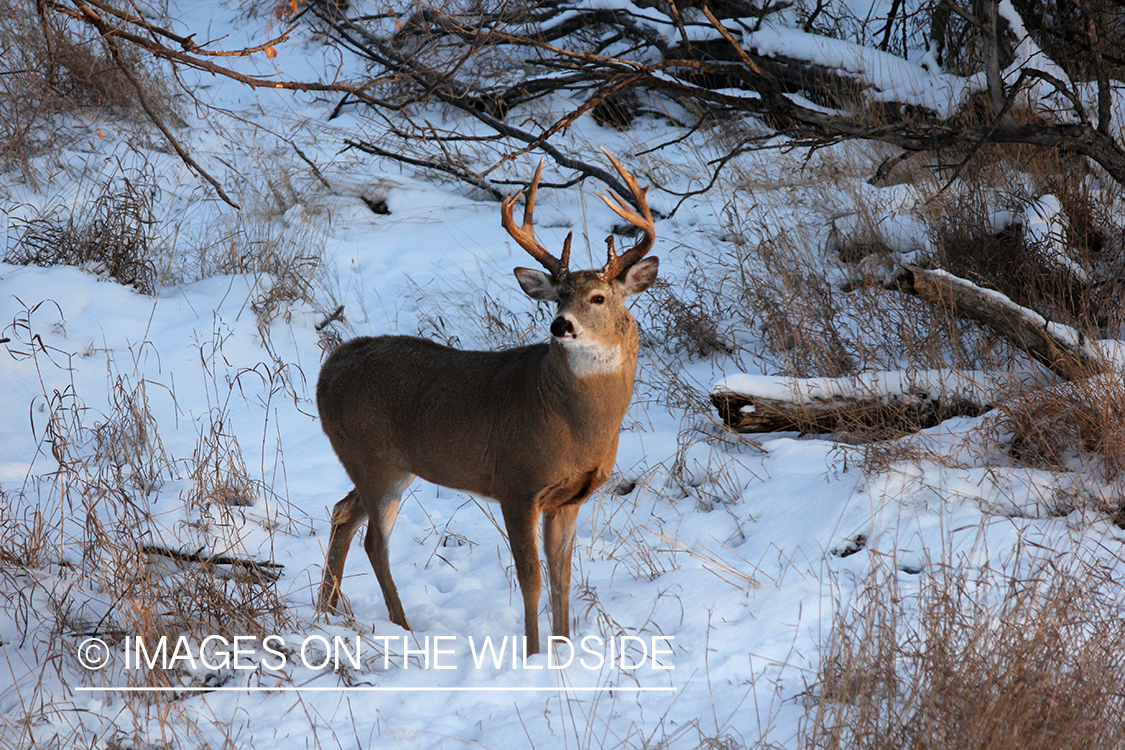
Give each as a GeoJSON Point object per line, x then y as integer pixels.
{"type": "Point", "coordinates": [591, 313]}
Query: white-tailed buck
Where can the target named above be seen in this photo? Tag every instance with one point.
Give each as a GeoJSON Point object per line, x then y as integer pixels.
{"type": "Point", "coordinates": [534, 428]}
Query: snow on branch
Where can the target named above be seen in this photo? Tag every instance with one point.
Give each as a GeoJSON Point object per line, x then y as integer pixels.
{"type": "Point", "coordinates": [1060, 348]}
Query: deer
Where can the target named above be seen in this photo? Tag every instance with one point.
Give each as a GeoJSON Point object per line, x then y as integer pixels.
{"type": "Point", "coordinates": [534, 428]}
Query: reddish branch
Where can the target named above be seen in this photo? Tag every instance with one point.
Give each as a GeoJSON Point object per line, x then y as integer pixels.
{"type": "Point", "coordinates": [687, 71]}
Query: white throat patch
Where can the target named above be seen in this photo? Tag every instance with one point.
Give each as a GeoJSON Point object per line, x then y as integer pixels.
{"type": "Point", "coordinates": [588, 358]}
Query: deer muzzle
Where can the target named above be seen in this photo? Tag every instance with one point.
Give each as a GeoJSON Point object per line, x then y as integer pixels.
{"type": "Point", "coordinates": [560, 327]}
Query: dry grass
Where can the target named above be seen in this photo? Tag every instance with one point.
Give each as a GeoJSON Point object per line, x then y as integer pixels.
{"type": "Point", "coordinates": [965, 220]}
{"type": "Point", "coordinates": [53, 69]}
{"type": "Point", "coordinates": [809, 275]}
{"type": "Point", "coordinates": [277, 241]}
{"type": "Point", "coordinates": [112, 236]}
{"type": "Point", "coordinates": [1078, 425]}
{"type": "Point", "coordinates": [687, 320]}
{"type": "Point", "coordinates": [1032, 660]}
{"type": "Point", "coordinates": [219, 476]}
{"type": "Point", "coordinates": [82, 551]}
{"type": "Point", "coordinates": [798, 310]}
{"type": "Point", "coordinates": [814, 320]}
{"type": "Point", "coordinates": [78, 544]}
{"type": "Point", "coordinates": [469, 313]}
{"type": "Point", "coordinates": [1051, 274]}
{"type": "Point", "coordinates": [128, 441]}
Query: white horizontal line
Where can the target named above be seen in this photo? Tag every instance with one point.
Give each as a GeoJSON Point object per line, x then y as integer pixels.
{"type": "Point", "coordinates": [369, 689]}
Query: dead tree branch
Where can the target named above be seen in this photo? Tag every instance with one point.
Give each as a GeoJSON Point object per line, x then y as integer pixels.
{"type": "Point", "coordinates": [1063, 350]}
{"type": "Point", "coordinates": [594, 55]}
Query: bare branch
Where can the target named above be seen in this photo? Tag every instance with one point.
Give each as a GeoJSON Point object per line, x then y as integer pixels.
{"type": "Point", "coordinates": [156, 120]}
{"type": "Point", "coordinates": [460, 173]}
{"type": "Point", "coordinates": [602, 53]}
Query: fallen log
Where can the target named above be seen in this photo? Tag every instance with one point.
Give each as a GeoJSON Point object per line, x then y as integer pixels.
{"type": "Point", "coordinates": [893, 403]}
{"type": "Point", "coordinates": [880, 404]}
{"type": "Point", "coordinates": [225, 566]}
{"type": "Point", "coordinates": [1060, 348]}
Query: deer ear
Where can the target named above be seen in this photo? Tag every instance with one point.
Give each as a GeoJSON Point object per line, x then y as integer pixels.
{"type": "Point", "coordinates": [537, 284]}
{"type": "Point", "coordinates": [639, 277]}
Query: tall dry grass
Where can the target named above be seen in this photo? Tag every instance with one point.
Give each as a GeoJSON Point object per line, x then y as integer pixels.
{"type": "Point", "coordinates": [975, 661]}
{"type": "Point", "coordinates": [112, 235]}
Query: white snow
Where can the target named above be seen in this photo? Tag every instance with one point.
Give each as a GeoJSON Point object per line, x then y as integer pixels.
{"type": "Point", "coordinates": [722, 566]}
{"type": "Point", "coordinates": [891, 77]}
{"type": "Point", "coordinates": [978, 386]}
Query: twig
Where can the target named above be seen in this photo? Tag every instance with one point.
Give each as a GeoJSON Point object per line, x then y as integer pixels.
{"type": "Point", "coordinates": [337, 314]}
{"type": "Point", "coordinates": [461, 174]}
{"type": "Point", "coordinates": [312, 166]}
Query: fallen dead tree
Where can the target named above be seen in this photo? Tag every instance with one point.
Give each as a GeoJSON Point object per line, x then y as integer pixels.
{"type": "Point", "coordinates": [885, 404]}
{"type": "Point", "coordinates": [224, 566]}
{"type": "Point", "coordinates": [1062, 349]}
{"type": "Point", "coordinates": [692, 63]}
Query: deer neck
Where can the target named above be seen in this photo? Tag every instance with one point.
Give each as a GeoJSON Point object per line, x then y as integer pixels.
{"type": "Point", "coordinates": [589, 360]}
{"type": "Point", "coordinates": [592, 383]}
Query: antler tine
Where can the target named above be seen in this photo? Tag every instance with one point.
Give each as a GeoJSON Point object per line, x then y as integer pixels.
{"type": "Point", "coordinates": [525, 235]}
{"type": "Point", "coordinates": [565, 259]}
{"type": "Point", "coordinates": [612, 261]}
{"type": "Point", "coordinates": [616, 264]}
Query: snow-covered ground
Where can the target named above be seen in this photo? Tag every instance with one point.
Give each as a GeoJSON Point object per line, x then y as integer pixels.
{"type": "Point", "coordinates": [724, 565]}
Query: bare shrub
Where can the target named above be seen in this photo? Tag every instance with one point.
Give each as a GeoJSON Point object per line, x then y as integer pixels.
{"type": "Point", "coordinates": [111, 236]}
{"type": "Point", "coordinates": [1032, 660]}
{"type": "Point", "coordinates": [1069, 34]}
{"type": "Point", "coordinates": [53, 68]}
{"type": "Point", "coordinates": [799, 320]}
{"type": "Point", "coordinates": [774, 287]}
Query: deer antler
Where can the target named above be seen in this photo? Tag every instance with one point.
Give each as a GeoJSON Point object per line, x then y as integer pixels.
{"type": "Point", "coordinates": [525, 235]}
{"type": "Point", "coordinates": [616, 264]}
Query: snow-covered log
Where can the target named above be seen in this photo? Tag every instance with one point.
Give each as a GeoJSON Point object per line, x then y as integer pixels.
{"type": "Point", "coordinates": [1060, 348]}
{"type": "Point", "coordinates": [886, 403]}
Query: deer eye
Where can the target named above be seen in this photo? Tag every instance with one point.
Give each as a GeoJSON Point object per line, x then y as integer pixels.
{"type": "Point", "coordinates": [597, 299]}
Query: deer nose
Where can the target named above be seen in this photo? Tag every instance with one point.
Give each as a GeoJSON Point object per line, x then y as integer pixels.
{"type": "Point", "coordinates": [560, 326]}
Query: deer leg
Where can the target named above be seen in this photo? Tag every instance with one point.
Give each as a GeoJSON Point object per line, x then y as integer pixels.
{"type": "Point", "coordinates": [347, 516]}
{"type": "Point", "coordinates": [521, 518]}
{"type": "Point", "coordinates": [558, 544]}
{"type": "Point", "coordinates": [384, 511]}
